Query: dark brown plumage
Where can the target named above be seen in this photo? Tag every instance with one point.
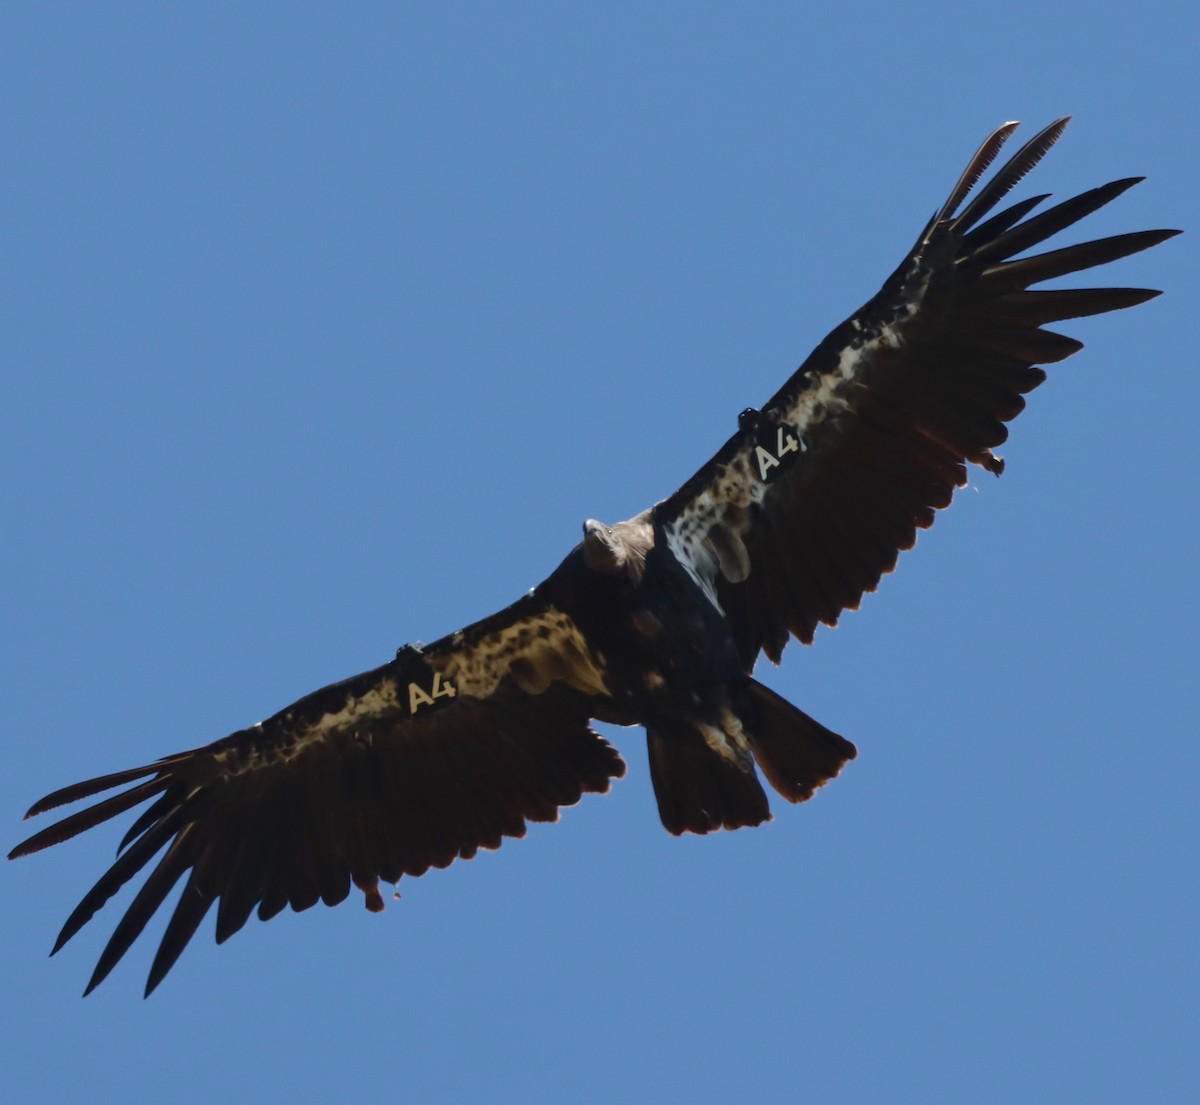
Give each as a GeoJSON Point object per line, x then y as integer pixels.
{"type": "Point", "coordinates": [656, 621]}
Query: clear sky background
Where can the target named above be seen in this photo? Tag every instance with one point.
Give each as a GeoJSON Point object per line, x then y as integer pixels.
{"type": "Point", "coordinates": [324, 328]}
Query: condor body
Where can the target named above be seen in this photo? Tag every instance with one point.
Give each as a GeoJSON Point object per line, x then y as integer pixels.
{"type": "Point", "coordinates": [657, 621]}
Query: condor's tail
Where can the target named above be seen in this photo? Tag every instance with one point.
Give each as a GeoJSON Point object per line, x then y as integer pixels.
{"type": "Point", "coordinates": [796, 753]}
{"type": "Point", "coordinates": [704, 777]}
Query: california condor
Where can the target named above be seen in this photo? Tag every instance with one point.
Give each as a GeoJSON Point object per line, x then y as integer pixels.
{"type": "Point", "coordinates": [656, 621]}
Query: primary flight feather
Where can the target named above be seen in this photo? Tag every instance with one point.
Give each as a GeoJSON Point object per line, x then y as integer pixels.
{"type": "Point", "coordinates": [656, 621]}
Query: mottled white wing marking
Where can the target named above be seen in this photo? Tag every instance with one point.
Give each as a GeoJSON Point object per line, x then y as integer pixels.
{"type": "Point", "coordinates": [828, 394]}
{"type": "Point", "coordinates": [380, 700]}
{"type": "Point", "coordinates": [539, 648]}
{"type": "Point", "coordinates": [707, 535]}
{"type": "Point", "coordinates": [536, 650]}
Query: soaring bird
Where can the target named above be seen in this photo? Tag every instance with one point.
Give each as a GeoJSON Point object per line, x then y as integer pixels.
{"type": "Point", "coordinates": [656, 621]}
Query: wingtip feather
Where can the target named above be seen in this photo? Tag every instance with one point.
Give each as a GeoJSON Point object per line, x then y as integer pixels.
{"type": "Point", "coordinates": [77, 791]}
{"type": "Point", "coordinates": [976, 167]}
{"type": "Point", "coordinates": [1011, 173]}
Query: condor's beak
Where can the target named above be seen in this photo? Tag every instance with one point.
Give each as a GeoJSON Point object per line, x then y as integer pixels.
{"type": "Point", "coordinates": [599, 551]}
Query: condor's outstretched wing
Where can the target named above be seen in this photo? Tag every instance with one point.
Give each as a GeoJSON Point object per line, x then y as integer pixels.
{"type": "Point", "coordinates": [812, 500]}
{"type": "Point", "coordinates": [439, 753]}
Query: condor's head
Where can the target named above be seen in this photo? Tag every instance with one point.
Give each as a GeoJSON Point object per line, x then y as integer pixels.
{"type": "Point", "coordinates": [612, 550]}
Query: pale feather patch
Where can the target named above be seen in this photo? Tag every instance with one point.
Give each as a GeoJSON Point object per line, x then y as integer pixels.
{"type": "Point", "coordinates": [686, 541]}
{"type": "Point", "coordinates": [694, 536]}
{"type": "Point", "coordinates": [536, 651]}
{"type": "Point", "coordinates": [829, 394]}
{"type": "Point", "coordinates": [730, 550]}
{"type": "Point", "coordinates": [381, 700]}
{"type": "Point", "coordinates": [730, 741]}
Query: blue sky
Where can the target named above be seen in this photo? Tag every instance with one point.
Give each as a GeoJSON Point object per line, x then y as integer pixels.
{"type": "Point", "coordinates": [324, 328]}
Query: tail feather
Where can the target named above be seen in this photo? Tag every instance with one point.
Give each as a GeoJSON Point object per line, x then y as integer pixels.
{"type": "Point", "coordinates": [704, 778]}
{"type": "Point", "coordinates": [796, 753]}
{"type": "Point", "coordinates": [700, 790]}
